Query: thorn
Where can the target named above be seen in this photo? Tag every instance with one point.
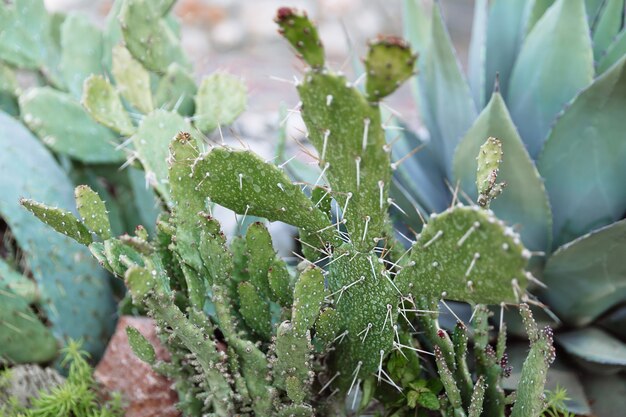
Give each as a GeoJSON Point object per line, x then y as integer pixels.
{"type": "Point", "coordinates": [433, 239]}
{"type": "Point", "coordinates": [330, 381]}
{"type": "Point", "coordinates": [324, 145]}
{"type": "Point", "coordinates": [399, 162]}
{"type": "Point", "coordinates": [449, 309]}
{"type": "Point", "coordinates": [393, 203]}
{"type": "Point", "coordinates": [321, 174]}
{"type": "Point", "coordinates": [281, 166]}
{"type": "Point", "coordinates": [366, 331]}
{"type": "Point", "coordinates": [401, 346]}
{"type": "Point", "coordinates": [472, 263]}
{"type": "Point", "coordinates": [366, 126]}
{"type": "Point", "coordinates": [367, 222]}
{"type": "Point", "coordinates": [380, 364]}
{"type": "Point", "coordinates": [345, 206]}
{"type": "Point", "coordinates": [342, 335]}
{"type": "Point", "coordinates": [373, 270]}
{"type": "Point", "coordinates": [388, 314]}
{"type": "Point", "coordinates": [381, 187]}
{"type": "Point", "coordinates": [467, 234]}
{"type": "Point", "coordinates": [358, 172]}
{"type": "Point", "coordinates": [240, 182]}
{"type": "Point", "coordinates": [356, 374]}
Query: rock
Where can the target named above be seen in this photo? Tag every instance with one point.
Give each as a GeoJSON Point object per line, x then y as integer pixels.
{"type": "Point", "coordinates": [144, 392]}
{"type": "Point", "coordinates": [26, 381]}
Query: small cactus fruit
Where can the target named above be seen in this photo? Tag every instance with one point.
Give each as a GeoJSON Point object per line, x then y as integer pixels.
{"type": "Point", "coordinates": [296, 27]}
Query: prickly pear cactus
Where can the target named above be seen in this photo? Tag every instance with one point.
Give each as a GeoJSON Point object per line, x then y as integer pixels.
{"type": "Point", "coordinates": [72, 290]}
{"type": "Point", "coordinates": [251, 336]}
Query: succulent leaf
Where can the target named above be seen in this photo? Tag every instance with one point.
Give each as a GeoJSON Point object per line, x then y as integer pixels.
{"type": "Point", "coordinates": [141, 347]}
{"type": "Point", "coordinates": [103, 103]}
{"type": "Point", "coordinates": [176, 91]}
{"type": "Point", "coordinates": [554, 64]}
{"type": "Point", "coordinates": [220, 99]}
{"type": "Point", "coordinates": [588, 127]}
{"type": "Point", "coordinates": [132, 80]}
{"type": "Point", "coordinates": [93, 211]}
{"type": "Point", "coordinates": [81, 52]}
{"type": "Point", "coordinates": [63, 125]}
{"type": "Point", "coordinates": [296, 27]}
{"type": "Point", "coordinates": [148, 36]}
{"type": "Point", "coordinates": [60, 220]}
{"type": "Point", "coordinates": [455, 253]}
{"type": "Point", "coordinates": [389, 63]}
{"type": "Point", "coordinates": [255, 310]}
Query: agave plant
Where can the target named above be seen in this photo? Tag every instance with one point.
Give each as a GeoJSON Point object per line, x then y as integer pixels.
{"type": "Point", "coordinates": [558, 71]}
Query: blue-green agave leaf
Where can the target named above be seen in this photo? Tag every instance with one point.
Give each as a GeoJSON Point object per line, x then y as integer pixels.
{"type": "Point", "coordinates": [447, 106]}
{"type": "Point", "coordinates": [583, 159]}
{"type": "Point", "coordinates": [593, 11]}
{"type": "Point", "coordinates": [416, 23]}
{"type": "Point", "coordinates": [607, 394]}
{"type": "Point", "coordinates": [524, 202]}
{"type": "Point", "coordinates": [587, 277]}
{"type": "Point", "coordinates": [609, 25]}
{"type": "Point", "coordinates": [615, 51]}
{"type": "Point", "coordinates": [535, 9]}
{"type": "Point", "coordinates": [554, 64]}
{"type": "Point", "coordinates": [505, 31]}
{"type": "Point", "coordinates": [594, 345]}
{"type": "Point", "coordinates": [74, 290]}
{"type": "Point", "coordinates": [478, 53]}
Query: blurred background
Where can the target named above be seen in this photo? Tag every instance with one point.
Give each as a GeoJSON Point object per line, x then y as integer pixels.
{"type": "Point", "coordinates": [239, 36]}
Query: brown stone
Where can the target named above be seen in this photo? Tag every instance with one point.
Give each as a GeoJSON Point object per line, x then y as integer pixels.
{"type": "Point", "coordinates": [145, 393]}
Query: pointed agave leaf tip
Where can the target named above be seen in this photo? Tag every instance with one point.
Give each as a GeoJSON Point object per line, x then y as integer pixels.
{"type": "Point", "coordinates": [296, 27]}
{"type": "Point", "coordinates": [389, 63]}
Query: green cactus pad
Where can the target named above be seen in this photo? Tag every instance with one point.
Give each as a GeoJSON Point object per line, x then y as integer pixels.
{"type": "Point", "coordinates": [260, 256]}
{"type": "Point", "coordinates": [220, 99]}
{"type": "Point", "coordinates": [9, 90]}
{"type": "Point", "coordinates": [365, 301]}
{"type": "Point", "coordinates": [292, 361]}
{"type": "Point", "coordinates": [25, 38]}
{"type": "Point", "coordinates": [466, 254]}
{"type": "Point", "coordinates": [280, 282]}
{"type": "Point", "coordinates": [242, 182]}
{"type": "Point", "coordinates": [255, 310]}
{"type": "Point", "coordinates": [132, 80]}
{"type": "Point", "coordinates": [152, 140]}
{"type": "Point", "coordinates": [16, 283]}
{"type": "Point", "coordinates": [139, 283]}
{"type": "Point", "coordinates": [148, 36]}
{"type": "Point", "coordinates": [60, 220]}
{"type": "Point", "coordinates": [93, 211]}
{"type": "Point", "coordinates": [63, 125]}
{"type": "Point", "coordinates": [347, 133]}
{"type": "Point", "coordinates": [296, 27]}
{"type": "Point", "coordinates": [103, 103]}
{"type": "Point", "coordinates": [141, 347]}
{"type": "Point", "coordinates": [81, 52]}
{"type": "Point", "coordinates": [530, 400]}
{"type": "Point", "coordinates": [327, 325]}
{"type": "Point", "coordinates": [308, 297]}
{"type": "Point", "coordinates": [389, 63]}
{"type": "Point", "coordinates": [489, 159]}
{"type": "Point", "coordinates": [176, 91]}
{"type": "Point", "coordinates": [23, 337]}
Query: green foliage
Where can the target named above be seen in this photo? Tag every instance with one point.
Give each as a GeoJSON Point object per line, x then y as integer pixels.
{"type": "Point", "coordinates": [77, 396]}
{"type": "Point", "coordinates": [557, 68]}
{"type": "Point", "coordinates": [248, 337]}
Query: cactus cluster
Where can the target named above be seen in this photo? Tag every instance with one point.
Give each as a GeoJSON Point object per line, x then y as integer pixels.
{"type": "Point", "coordinates": [559, 74]}
{"type": "Point", "coordinates": [249, 333]}
{"type": "Point", "coordinates": [100, 101]}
